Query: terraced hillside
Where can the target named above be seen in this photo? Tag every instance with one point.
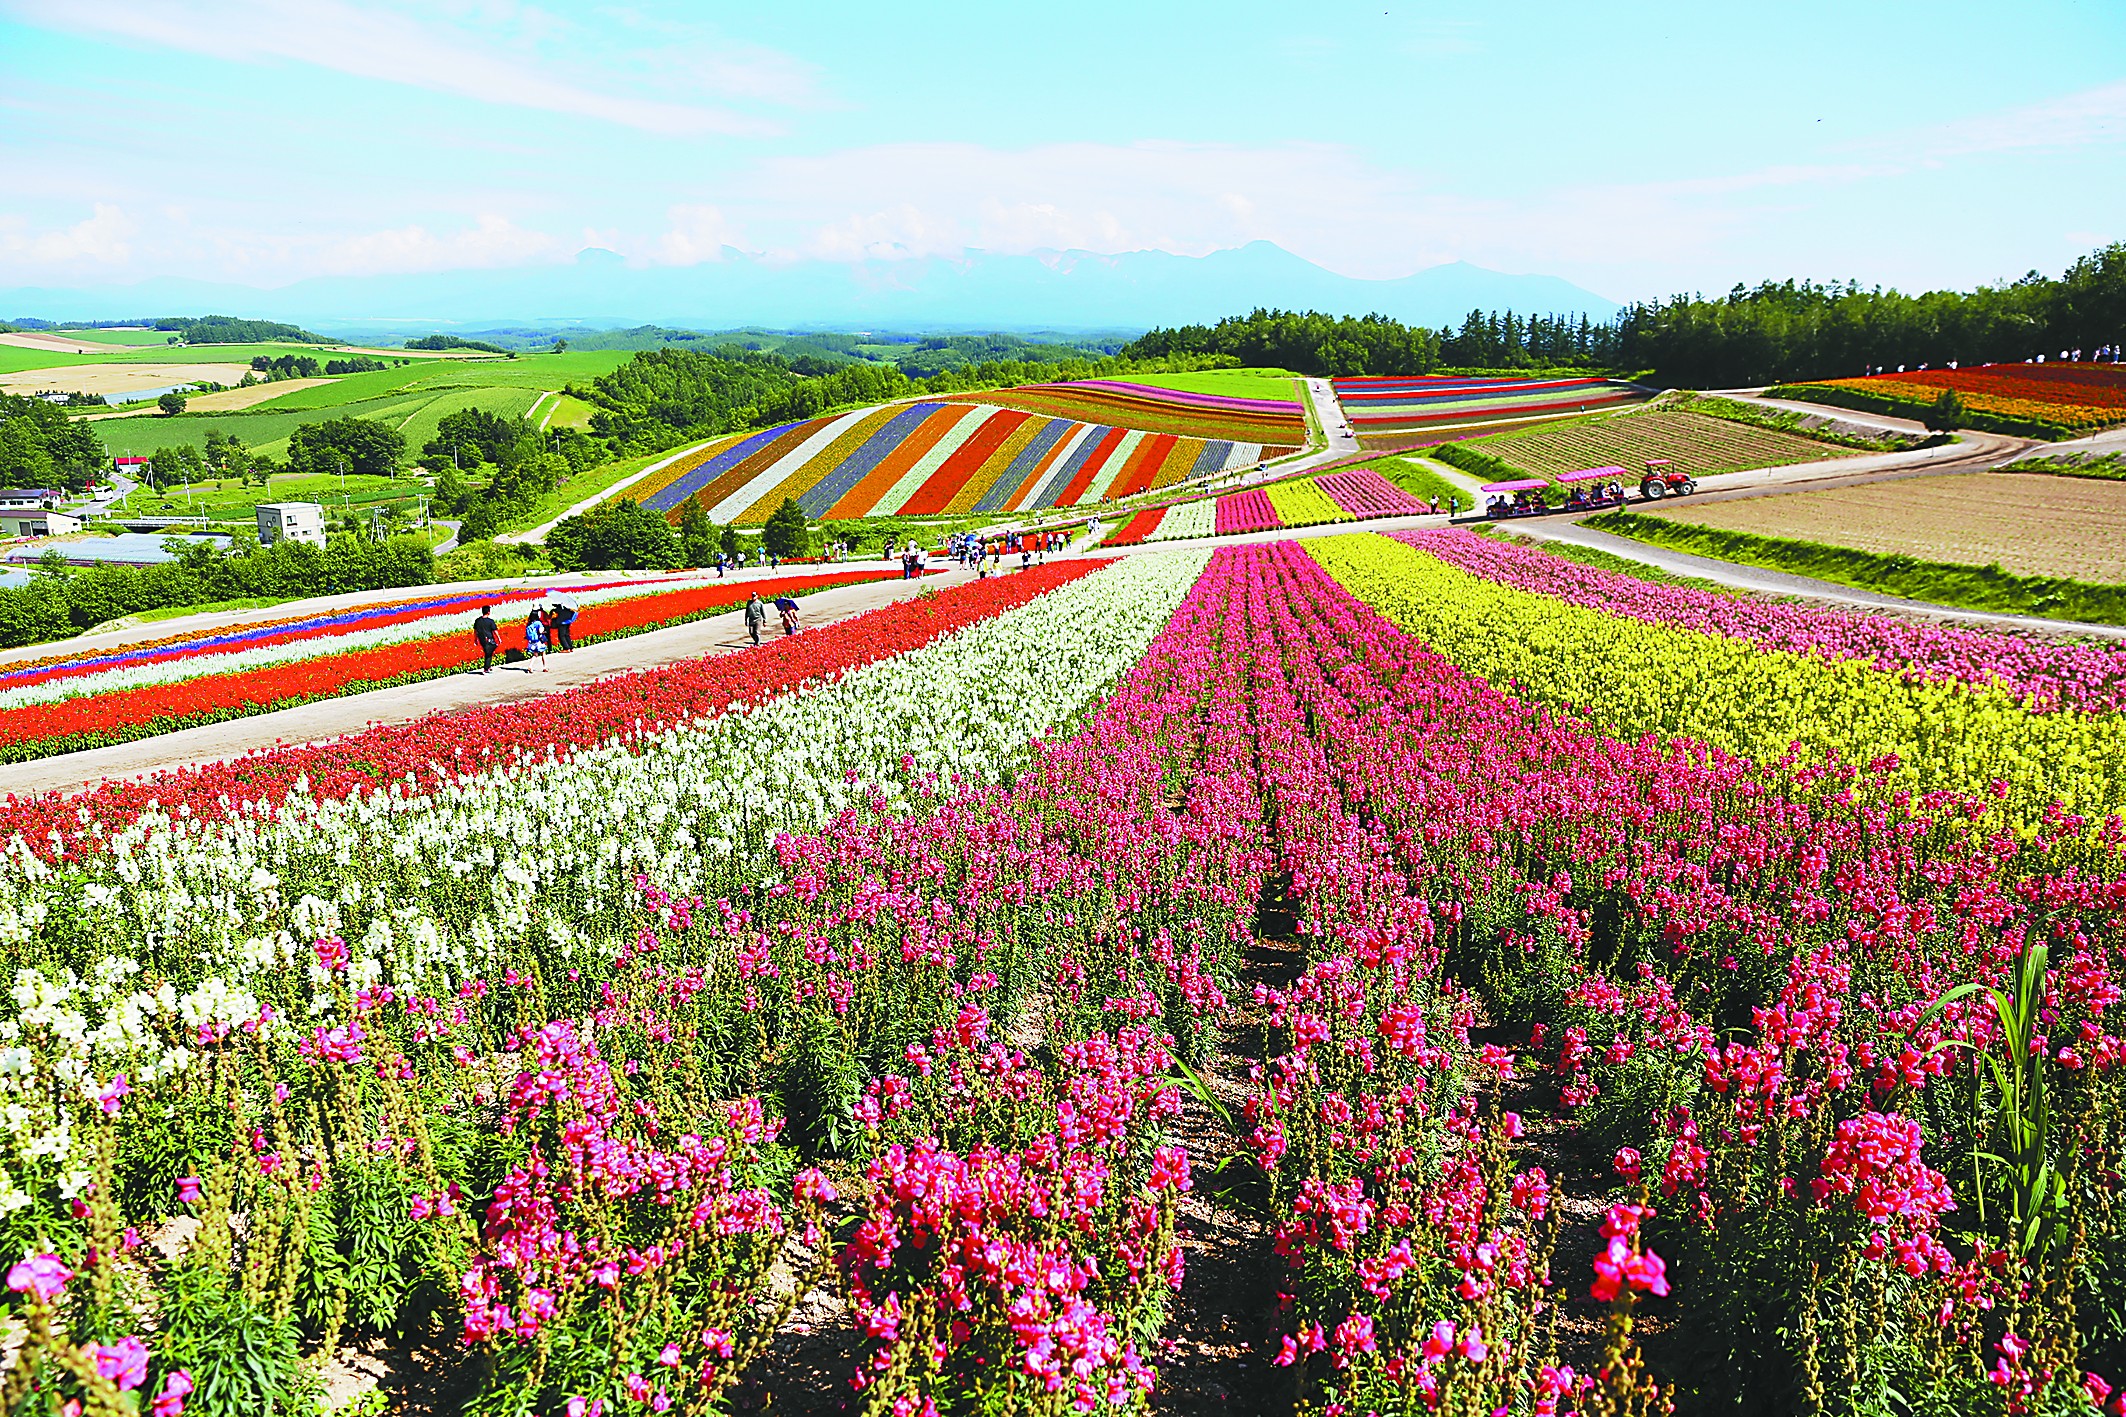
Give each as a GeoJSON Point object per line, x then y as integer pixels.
{"type": "Point", "coordinates": [1693, 442]}
{"type": "Point", "coordinates": [1387, 410]}
{"type": "Point", "coordinates": [934, 457]}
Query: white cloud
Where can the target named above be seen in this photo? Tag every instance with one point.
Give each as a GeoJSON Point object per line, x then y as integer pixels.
{"type": "Point", "coordinates": [102, 239]}
{"type": "Point", "coordinates": [2075, 120]}
{"type": "Point", "coordinates": [939, 199]}
{"type": "Point", "coordinates": [372, 42]}
{"type": "Point", "coordinates": [697, 234]}
{"type": "Point", "coordinates": [491, 241]}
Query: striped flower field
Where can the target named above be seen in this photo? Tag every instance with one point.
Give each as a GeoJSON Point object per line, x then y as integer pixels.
{"type": "Point", "coordinates": [1357, 495]}
{"type": "Point", "coordinates": [1385, 406]}
{"type": "Point", "coordinates": [1019, 451]}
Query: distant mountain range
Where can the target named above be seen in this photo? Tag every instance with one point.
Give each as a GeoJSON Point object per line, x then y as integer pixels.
{"type": "Point", "coordinates": [1068, 290]}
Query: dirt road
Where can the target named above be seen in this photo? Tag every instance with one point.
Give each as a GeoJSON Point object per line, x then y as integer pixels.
{"type": "Point", "coordinates": [336, 718]}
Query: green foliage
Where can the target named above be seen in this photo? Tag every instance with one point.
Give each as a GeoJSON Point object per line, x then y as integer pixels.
{"type": "Point", "coordinates": [41, 447]}
{"type": "Point", "coordinates": [469, 437]}
{"type": "Point", "coordinates": [171, 404]}
{"type": "Point", "coordinates": [1309, 341]}
{"type": "Point", "coordinates": [488, 561]}
{"type": "Point", "coordinates": [1781, 420]}
{"type": "Point", "coordinates": [353, 445]}
{"type": "Point", "coordinates": [697, 537]}
{"type": "Point", "coordinates": [2109, 466]}
{"type": "Point", "coordinates": [228, 329]}
{"type": "Point", "coordinates": [1786, 331]}
{"type": "Point", "coordinates": [1947, 413]}
{"type": "Point", "coordinates": [1507, 343]}
{"type": "Point", "coordinates": [788, 534]}
{"type": "Point", "coordinates": [53, 607]}
{"type": "Point", "coordinates": [619, 535]}
{"type": "Point", "coordinates": [287, 366]}
{"type": "Point", "coordinates": [454, 342]}
{"type": "Point", "coordinates": [1477, 462]}
{"type": "Point", "coordinates": [1421, 481]}
{"type": "Point", "coordinates": [359, 364]}
{"type": "Point", "coordinates": [1938, 582]}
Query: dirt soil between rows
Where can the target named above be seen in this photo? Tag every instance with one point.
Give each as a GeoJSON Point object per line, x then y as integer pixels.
{"type": "Point", "coordinates": [2032, 524]}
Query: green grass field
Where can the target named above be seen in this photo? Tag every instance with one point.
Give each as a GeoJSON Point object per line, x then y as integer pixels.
{"type": "Point", "coordinates": [412, 398]}
{"type": "Point", "coordinates": [122, 338]}
{"type": "Point", "coordinates": [1229, 383]}
{"type": "Point", "coordinates": [228, 499]}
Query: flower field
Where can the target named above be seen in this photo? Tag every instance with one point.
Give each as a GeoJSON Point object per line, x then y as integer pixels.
{"type": "Point", "coordinates": [1575, 996]}
{"type": "Point", "coordinates": [1358, 495]}
{"type": "Point", "coordinates": [1048, 445]}
{"type": "Point", "coordinates": [61, 703]}
{"type": "Point", "coordinates": [1387, 405]}
{"type": "Point", "coordinates": [2077, 397]}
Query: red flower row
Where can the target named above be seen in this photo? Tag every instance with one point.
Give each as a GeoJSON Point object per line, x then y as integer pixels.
{"type": "Point", "coordinates": [429, 749]}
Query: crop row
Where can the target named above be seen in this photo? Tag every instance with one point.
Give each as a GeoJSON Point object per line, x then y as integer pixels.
{"type": "Point", "coordinates": [899, 1011]}
{"type": "Point", "coordinates": [1385, 405]}
{"type": "Point", "coordinates": [120, 705]}
{"type": "Point", "coordinates": [2007, 397]}
{"type": "Point", "coordinates": [1690, 442]}
{"type": "Point", "coordinates": [929, 458]}
{"type": "Point", "coordinates": [1741, 696]}
{"type": "Point", "coordinates": [1356, 495]}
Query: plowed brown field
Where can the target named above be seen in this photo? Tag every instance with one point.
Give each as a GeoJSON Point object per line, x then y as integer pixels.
{"type": "Point", "coordinates": [2029, 523]}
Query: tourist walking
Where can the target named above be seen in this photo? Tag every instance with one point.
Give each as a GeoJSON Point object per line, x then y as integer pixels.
{"type": "Point", "coordinates": [488, 635]}
{"type": "Point", "coordinates": [756, 616]}
{"type": "Point", "coordinates": [564, 618]}
{"type": "Point", "coordinates": [788, 607]}
{"type": "Point", "coordinates": [535, 637]}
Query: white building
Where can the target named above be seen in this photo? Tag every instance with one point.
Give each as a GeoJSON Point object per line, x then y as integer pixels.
{"type": "Point", "coordinates": [38, 523]}
{"type": "Point", "coordinates": [29, 499]}
{"type": "Point", "coordinates": [297, 521]}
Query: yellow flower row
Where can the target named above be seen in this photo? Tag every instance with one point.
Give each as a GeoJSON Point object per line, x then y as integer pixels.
{"type": "Point", "coordinates": [1633, 677]}
{"type": "Point", "coordinates": [1302, 503]}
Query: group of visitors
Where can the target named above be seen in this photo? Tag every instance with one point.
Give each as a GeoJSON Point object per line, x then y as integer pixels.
{"type": "Point", "coordinates": [756, 615]}
{"type": "Point", "coordinates": [987, 555]}
{"type": "Point", "coordinates": [547, 627]}
{"type": "Point", "coordinates": [737, 561]}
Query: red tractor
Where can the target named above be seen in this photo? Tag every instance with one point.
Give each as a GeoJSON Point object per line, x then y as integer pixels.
{"type": "Point", "coordinates": [1663, 480]}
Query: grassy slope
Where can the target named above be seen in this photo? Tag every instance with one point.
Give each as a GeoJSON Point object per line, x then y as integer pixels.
{"type": "Point", "coordinates": [411, 398]}
{"type": "Point", "coordinates": [229, 499]}
{"type": "Point", "coordinates": [119, 338]}
{"type": "Point", "coordinates": [1415, 478]}
{"type": "Point", "coordinates": [1985, 588]}
{"type": "Point", "coordinates": [1231, 383]}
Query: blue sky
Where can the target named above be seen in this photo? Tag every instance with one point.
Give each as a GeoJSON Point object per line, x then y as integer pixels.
{"type": "Point", "coordinates": [1634, 151]}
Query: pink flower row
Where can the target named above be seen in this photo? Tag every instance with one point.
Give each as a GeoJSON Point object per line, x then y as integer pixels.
{"type": "Point", "coordinates": [2047, 675]}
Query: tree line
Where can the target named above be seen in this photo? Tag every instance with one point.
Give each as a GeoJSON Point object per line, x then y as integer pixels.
{"type": "Point", "coordinates": [1778, 331]}
{"type": "Point", "coordinates": [57, 603]}
{"type": "Point", "coordinates": [664, 397]}
{"type": "Point", "coordinates": [41, 447]}
{"type": "Point", "coordinates": [228, 329]}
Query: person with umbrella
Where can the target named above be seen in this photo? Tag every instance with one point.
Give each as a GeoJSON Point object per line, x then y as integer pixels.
{"type": "Point", "coordinates": [788, 607]}
{"type": "Point", "coordinates": [564, 617]}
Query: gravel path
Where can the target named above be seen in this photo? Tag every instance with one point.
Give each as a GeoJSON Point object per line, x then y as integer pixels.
{"type": "Point", "coordinates": [336, 718]}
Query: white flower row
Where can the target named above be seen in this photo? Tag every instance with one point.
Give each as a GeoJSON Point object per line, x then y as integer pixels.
{"type": "Point", "coordinates": [1190, 519]}
{"type": "Point", "coordinates": [171, 671]}
{"type": "Point", "coordinates": [432, 888]}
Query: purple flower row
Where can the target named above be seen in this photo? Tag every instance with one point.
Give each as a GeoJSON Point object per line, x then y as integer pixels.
{"type": "Point", "coordinates": [2046, 675]}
